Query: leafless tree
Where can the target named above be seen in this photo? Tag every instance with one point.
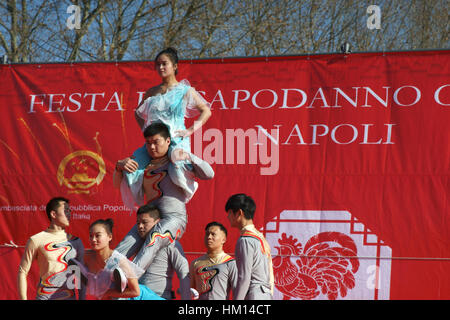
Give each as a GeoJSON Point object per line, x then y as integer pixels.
{"type": "Point", "coordinates": [88, 15]}
{"type": "Point", "coordinates": [19, 25]}
{"type": "Point", "coordinates": [36, 30]}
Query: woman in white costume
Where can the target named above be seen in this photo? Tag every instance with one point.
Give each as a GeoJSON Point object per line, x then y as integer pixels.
{"type": "Point", "coordinates": [109, 274]}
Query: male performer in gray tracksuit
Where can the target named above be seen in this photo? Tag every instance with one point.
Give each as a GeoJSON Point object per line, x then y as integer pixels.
{"type": "Point", "coordinates": [158, 277]}
{"type": "Point", "coordinates": [214, 275]}
{"type": "Point", "coordinates": [252, 252]}
{"type": "Point", "coordinates": [169, 260]}
{"type": "Point", "coordinates": [161, 182]}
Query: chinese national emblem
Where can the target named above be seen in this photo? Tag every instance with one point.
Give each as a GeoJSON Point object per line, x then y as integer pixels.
{"type": "Point", "coordinates": [81, 170]}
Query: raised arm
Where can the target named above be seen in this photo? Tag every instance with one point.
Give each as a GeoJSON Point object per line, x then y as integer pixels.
{"type": "Point", "coordinates": [205, 114]}
{"type": "Point", "coordinates": [196, 102]}
{"type": "Point", "coordinates": [198, 166]}
{"type": "Point", "coordinates": [128, 165]}
{"type": "Point", "coordinates": [202, 169]}
{"type": "Point", "coordinates": [140, 121]}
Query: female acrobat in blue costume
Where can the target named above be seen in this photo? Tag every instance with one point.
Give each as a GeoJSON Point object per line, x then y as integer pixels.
{"type": "Point", "coordinates": [163, 181]}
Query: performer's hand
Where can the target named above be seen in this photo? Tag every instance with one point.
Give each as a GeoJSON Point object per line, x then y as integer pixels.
{"type": "Point", "coordinates": [184, 133]}
{"type": "Point", "coordinates": [179, 154]}
{"type": "Point", "coordinates": [127, 164]}
{"type": "Point", "coordinates": [194, 294]}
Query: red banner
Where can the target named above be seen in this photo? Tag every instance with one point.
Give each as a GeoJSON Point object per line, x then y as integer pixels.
{"type": "Point", "coordinates": [342, 154]}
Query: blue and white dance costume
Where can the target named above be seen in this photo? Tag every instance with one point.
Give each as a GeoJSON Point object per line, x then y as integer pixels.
{"type": "Point", "coordinates": [98, 283]}
{"type": "Point", "coordinates": [172, 184]}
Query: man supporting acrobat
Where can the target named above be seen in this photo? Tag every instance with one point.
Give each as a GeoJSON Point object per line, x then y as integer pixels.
{"type": "Point", "coordinates": [154, 178]}
{"type": "Point", "coordinates": [169, 260]}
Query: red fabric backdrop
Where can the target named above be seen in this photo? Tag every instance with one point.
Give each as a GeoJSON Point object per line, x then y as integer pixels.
{"type": "Point", "coordinates": [358, 161]}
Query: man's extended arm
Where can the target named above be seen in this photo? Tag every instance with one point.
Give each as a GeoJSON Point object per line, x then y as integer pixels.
{"type": "Point", "coordinates": [201, 168]}
{"type": "Point", "coordinates": [128, 165]}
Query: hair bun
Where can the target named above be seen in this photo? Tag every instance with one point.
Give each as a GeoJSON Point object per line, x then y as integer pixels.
{"type": "Point", "coordinates": [172, 49]}
{"type": "Point", "coordinates": [110, 222]}
{"type": "Point", "coordinates": [174, 52]}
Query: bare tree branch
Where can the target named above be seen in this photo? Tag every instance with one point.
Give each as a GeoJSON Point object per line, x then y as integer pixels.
{"type": "Point", "coordinates": [35, 30]}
